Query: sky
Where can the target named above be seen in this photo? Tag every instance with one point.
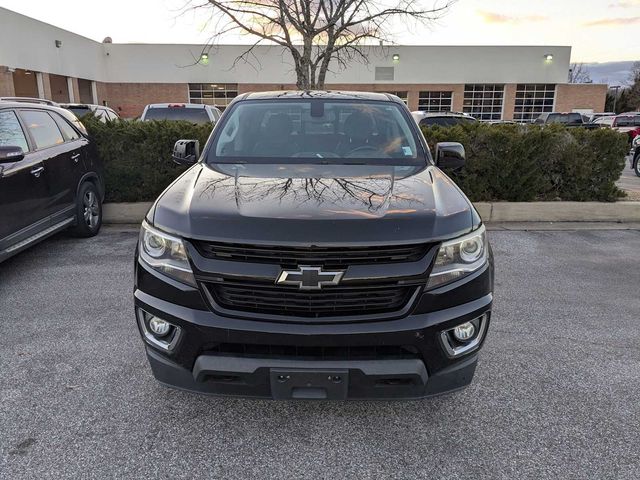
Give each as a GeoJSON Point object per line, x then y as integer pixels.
{"type": "Point", "coordinates": [598, 30]}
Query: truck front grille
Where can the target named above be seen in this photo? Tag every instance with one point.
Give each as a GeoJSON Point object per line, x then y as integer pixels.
{"type": "Point", "coordinates": [329, 302]}
{"type": "Point", "coordinates": [318, 256]}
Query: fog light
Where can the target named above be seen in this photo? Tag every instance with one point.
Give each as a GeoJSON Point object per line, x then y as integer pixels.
{"type": "Point", "coordinates": [464, 332]}
{"type": "Point", "coordinates": [157, 332]}
{"type": "Point", "coordinates": [159, 327]}
{"type": "Point", "coordinates": [464, 338]}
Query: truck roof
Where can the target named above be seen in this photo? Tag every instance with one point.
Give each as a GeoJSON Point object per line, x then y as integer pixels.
{"type": "Point", "coordinates": [323, 94]}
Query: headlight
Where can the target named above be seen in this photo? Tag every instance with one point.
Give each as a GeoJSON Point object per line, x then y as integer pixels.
{"type": "Point", "coordinates": [165, 254]}
{"type": "Point", "coordinates": [460, 257]}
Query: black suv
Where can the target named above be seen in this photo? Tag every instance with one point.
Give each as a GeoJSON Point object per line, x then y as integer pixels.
{"type": "Point", "coordinates": [50, 178]}
{"type": "Point", "coordinates": [315, 250]}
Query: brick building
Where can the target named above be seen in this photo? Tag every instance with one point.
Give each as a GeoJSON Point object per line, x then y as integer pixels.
{"type": "Point", "coordinates": [488, 82]}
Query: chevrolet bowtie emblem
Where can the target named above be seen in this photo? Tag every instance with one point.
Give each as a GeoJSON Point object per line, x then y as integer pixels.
{"type": "Point", "coordinates": [309, 278]}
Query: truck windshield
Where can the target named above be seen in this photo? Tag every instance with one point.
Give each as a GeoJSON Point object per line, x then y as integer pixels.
{"type": "Point", "coordinates": [315, 131]}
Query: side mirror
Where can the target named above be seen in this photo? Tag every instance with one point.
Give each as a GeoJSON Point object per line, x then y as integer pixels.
{"type": "Point", "coordinates": [186, 152]}
{"type": "Point", "coordinates": [11, 154]}
{"type": "Point", "coordinates": [450, 155]}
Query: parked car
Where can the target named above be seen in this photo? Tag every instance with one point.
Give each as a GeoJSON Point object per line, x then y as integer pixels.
{"type": "Point", "coordinates": [101, 112]}
{"type": "Point", "coordinates": [43, 101]}
{"type": "Point", "coordinates": [627, 123]}
{"type": "Point", "coordinates": [189, 112]}
{"type": "Point", "coordinates": [444, 119]}
{"type": "Point", "coordinates": [595, 116]}
{"type": "Point", "coordinates": [50, 176]}
{"type": "Point", "coordinates": [572, 119]}
{"type": "Point", "coordinates": [501, 122]}
{"type": "Point", "coordinates": [604, 121]}
{"type": "Point", "coordinates": [314, 250]}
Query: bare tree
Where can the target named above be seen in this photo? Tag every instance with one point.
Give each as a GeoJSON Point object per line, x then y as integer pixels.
{"type": "Point", "coordinates": [578, 73]}
{"type": "Point", "coordinates": [317, 32]}
{"type": "Point", "coordinates": [634, 89]}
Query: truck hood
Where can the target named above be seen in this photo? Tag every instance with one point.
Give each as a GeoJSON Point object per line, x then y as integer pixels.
{"type": "Point", "coordinates": [314, 204]}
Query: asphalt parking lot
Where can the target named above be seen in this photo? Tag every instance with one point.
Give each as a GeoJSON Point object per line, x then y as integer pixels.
{"type": "Point", "coordinates": [556, 394]}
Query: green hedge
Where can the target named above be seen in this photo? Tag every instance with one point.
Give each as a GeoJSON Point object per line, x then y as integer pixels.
{"type": "Point", "coordinates": [518, 163]}
{"type": "Point", "coordinates": [137, 155]}
{"type": "Point", "coordinates": [504, 162]}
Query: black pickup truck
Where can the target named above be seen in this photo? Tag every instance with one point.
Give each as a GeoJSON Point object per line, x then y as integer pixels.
{"type": "Point", "coordinates": [314, 250]}
{"type": "Point", "coordinates": [566, 119]}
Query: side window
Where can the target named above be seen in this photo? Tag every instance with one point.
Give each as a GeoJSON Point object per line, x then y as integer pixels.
{"type": "Point", "coordinates": [43, 129]}
{"type": "Point", "coordinates": [68, 132]}
{"type": "Point", "coordinates": [11, 134]}
{"type": "Point", "coordinates": [112, 115]}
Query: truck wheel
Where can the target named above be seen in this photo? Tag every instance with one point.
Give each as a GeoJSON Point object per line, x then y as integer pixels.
{"type": "Point", "coordinates": [88, 211]}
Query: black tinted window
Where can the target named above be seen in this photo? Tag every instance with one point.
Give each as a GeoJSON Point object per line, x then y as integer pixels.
{"type": "Point", "coordinates": [565, 118]}
{"type": "Point", "coordinates": [43, 129]}
{"type": "Point", "coordinates": [628, 121]}
{"type": "Point", "coordinates": [444, 121]}
{"type": "Point", "coordinates": [67, 131]}
{"type": "Point", "coordinates": [193, 115]}
{"type": "Point", "coordinates": [11, 134]}
{"type": "Point", "coordinates": [80, 111]}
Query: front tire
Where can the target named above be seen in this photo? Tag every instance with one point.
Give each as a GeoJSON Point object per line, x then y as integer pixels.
{"type": "Point", "coordinates": [88, 211]}
{"type": "Point", "coordinates": [636, 165]}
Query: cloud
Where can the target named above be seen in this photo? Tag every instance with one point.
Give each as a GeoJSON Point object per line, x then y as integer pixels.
{"type": "Point", "coordinates": [612, 22]}
{"type": "Point", "coordinates": [625, 4]}
{"type": "Point", "coordinates": [492, 17]}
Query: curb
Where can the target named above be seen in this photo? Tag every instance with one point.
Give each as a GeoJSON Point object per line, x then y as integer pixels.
{"type": "Point", "coordinates": [125, 212]}
{"type": "Point", "coordinates": [559, 211]}
{"type": "Point", "coordinates": [619, 212]}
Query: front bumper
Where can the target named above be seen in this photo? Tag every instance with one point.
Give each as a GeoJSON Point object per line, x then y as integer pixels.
{"type": "Point", "coordinates": [261, 378]}
{"type": "Point", "coordinates": [199, 364]}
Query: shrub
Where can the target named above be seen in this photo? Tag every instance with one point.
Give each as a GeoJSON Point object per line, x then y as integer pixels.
{"type": "Point", "coordinates": [504, 162]}
{"type": "Point", "coordinates": [527, 163]}
{"type": "Point", "coordinates": [137, 155]}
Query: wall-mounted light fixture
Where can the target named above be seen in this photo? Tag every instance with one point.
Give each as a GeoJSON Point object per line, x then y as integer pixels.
{"type": "Point", "coordinates": [204, 58]}
{"type": "Point", "coordinates": [548, 57]}
{"type": "Point", "coordinates": [396, 57]}
{"type": "Point", "coordinates": [58, 43]}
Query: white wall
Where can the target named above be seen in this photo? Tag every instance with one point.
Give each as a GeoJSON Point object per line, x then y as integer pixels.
{"type": "Point", "coordinates": [28, 43]}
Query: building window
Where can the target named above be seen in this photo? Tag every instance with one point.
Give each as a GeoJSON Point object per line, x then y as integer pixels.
{"type": "Point", "coordinates": [532, 100]}
{"type": "Point", "coordinates": [402, 95]}
{"type": "Point", "coordinates": [217, 94]}
{"type": "Point", "coordinates": [483, 101]}
{"type": "Point", "coordinates": [435, 101]}
{"type": "Point", "coordinates": [384, 73]}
